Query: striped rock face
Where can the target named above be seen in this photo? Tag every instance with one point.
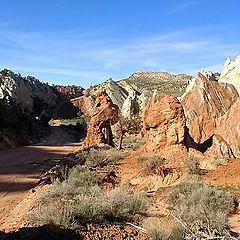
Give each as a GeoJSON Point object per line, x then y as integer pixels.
{"type": "Point", "coordinates": [205, 101]}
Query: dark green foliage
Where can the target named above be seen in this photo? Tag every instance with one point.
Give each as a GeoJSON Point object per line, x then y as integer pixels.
{"type": "Point", "coordinates": [17, 120]}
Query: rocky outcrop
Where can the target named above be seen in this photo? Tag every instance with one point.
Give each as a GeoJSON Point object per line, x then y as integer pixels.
{"type": "Point", "coordinates": [146, 82]}
{"type": "Point", "coordinates": [163, 123]}
{"type": "Point", "coordinates": [130, 106]}
{"type": "Point", "coordinates": [84, 103]}
{"type": "Point", "coordinates": [204, 103]}
{"type": "Point", "coordinates": [25, 90]}
{"type": "Point", "coordinates": [141, 84]}
{"type": "Point", "coordinates": [104, 114]}
{"type": "Point", "coordinates": [231, 73]}
{"type": "Point", "coordinates": [228, 128]}
{"type": "Point", "coordinates": [69, 92]}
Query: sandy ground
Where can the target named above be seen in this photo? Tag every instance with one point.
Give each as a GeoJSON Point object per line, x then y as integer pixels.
{"type": "Point", "coordinates": [20, 170]}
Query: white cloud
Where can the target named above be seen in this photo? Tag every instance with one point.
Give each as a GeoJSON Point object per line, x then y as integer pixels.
{"type": "Point", "coordinates": [93, 57]}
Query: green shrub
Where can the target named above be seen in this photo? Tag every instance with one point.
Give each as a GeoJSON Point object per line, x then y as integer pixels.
{"type": "Point", "coordinates": [98, 157]}
{"type": "Point", "coordinates": [193, 166]}
{"type": "Point", "coordinates": [151, 164]}
{"type": "Point", "coordinates": [133, 142]}
{"type": "Point", "coordinates": [80, 199]}
{"type": "Point", "coordinates": [123, 202]}
{"type": "Point", "coordinates": [132, 125]}
{"type": "Point", "coordinates": [203, 209]}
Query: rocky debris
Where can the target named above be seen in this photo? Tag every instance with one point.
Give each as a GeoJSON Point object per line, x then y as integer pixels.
{"type": "Point", "coordinates": [164, 123]}
{"type": "Point", "coordinates": [204, 102]}
{"type": "Point", "coordinates": [231, 73]}
{"type": "Point", "coordinates": [228, 128]}
{"type": "Point", "coordinates": [110, 232]}
{"type": "Point", "coordinates": [110, 179]}
{"type": "Point", "coordinates": [69, 91]}
{"type": "Point", "coordinates": [88, 232]}
{"type": "Point", "coordinates": [104, 114]}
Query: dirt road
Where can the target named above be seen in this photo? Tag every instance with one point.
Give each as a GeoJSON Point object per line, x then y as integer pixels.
{"type": "Point", "coordinates": [20, 168]}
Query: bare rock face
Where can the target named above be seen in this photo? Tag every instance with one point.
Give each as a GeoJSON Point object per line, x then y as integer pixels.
{"type": "Point", "coordinates": [130, 106]}
{"type": "Point", "coordinates": [69, 91]}
{"type": "Point", "coordinates": [25, 90]}
{"type": "Point", "coordinates": [204, 102]}
{"type": "Point", "coordinates": [229, 128]}
{"type": "Point", "coordinates": [84, 103]}
{"type": "Point", "coordinates": [231, 73]}
{"type": "Point", "coordinates": [163, 123]}
{"type": "Point", "coordinates": [219, 149]}
{"type": "Point", "coordinates": [105, 113]}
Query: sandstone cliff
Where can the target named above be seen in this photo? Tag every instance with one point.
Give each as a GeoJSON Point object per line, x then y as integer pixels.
{"type": "Point", "coordinates": [204, 102]}
{"type": "Point", "coordinates": [231, 73]}
{"type": "Point", "coordinates": [25, 90]}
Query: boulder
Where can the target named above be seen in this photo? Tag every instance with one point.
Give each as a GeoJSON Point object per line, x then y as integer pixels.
{"type": "Point", "coordinates": [163, 122]}
{"type": "Point", "coordinates": [229, 128]}
{"type": "Point", "coordinates": [204, 102]}
{"type": "Point", "coordinates": [104, 114]}
{"type": "Point", "coordinates": [231, 73]}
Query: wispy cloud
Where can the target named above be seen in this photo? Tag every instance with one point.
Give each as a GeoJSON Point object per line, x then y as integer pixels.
{"type": "Point", "coordinates": [183, 6]}
{"type": "Point", "coordinates": [76, 58]}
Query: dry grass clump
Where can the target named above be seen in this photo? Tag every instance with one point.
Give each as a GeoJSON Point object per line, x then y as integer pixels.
{"type": "Point", "coordinates": [133, 142]}
{"type": "Point", "coordinates": [151, 164]}
{"type": "Point", "coordinates": [198, 211]}
{"type": "Point", "coordinates": [80, 199]}
{"type": "Point", "coordinates": [100, 157]}
{"type": "Point", "coordinates": [163, 229]}
{"type": "Point", "coordinates": [203, 210]}
{"type": "Point", "coordinates": [193, 165]}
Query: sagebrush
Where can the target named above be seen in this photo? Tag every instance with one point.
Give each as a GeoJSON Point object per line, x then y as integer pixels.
{"type": "Point", "coordinates": [81, 199]}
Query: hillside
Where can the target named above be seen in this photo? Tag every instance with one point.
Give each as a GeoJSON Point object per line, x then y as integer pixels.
{"type": "Point", "coordinates": [26, 106]}
{"type": "Point", "coordinates": [136, 89]}
{"type": "Point", "coordinates": [147, 82]}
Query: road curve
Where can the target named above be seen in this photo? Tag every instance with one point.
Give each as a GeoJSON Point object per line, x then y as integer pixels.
{"type": "Point", "coordinates": [20, 168]}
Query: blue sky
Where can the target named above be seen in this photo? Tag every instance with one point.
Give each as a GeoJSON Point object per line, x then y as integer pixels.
{"type": "Point", "coordinates": [88, 41]}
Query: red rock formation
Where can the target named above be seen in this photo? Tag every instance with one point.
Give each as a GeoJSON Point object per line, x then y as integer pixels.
{"type": "Point", "coordinates": [163, 122]}
{"type": "Point", "coordinates": [104, 114]}
{"type": "Point", "coordinates": [229, 128]}
{"type": "Point", "coordinates": [219, 149]}
{"type": "Point", "coordinates": [69, 91]}
{"type": "Point", "coordinates": [204, 103]}
{"type": "Point", "coordinates": [84, 104]}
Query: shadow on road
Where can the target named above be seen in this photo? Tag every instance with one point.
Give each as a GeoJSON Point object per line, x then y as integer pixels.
{"type": "Point", "coordinates": [46, 232]}
{"type": "Point", "coordinates": [20, 168]}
